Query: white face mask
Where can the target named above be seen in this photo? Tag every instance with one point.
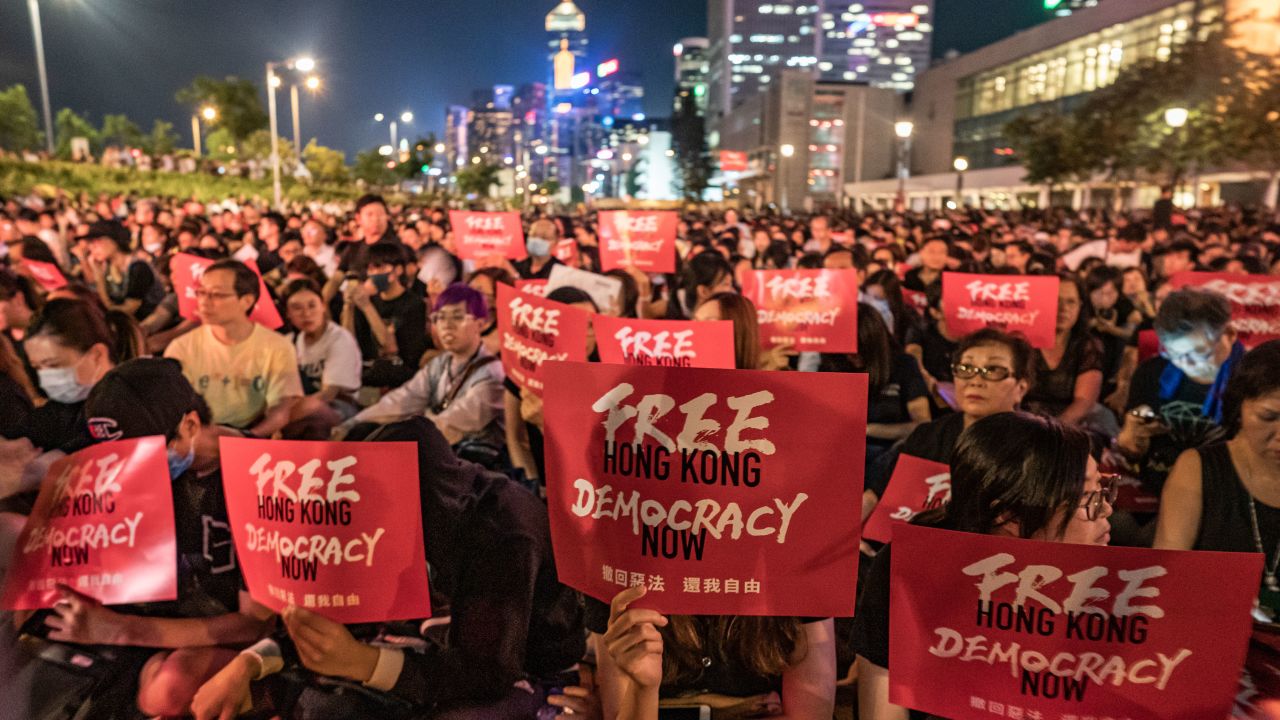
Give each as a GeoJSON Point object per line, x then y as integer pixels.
{"type": "Point", "coordinates": [61, 385]}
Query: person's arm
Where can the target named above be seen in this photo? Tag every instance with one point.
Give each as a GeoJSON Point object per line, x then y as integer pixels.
{"type": "Point", "coordinates": [809, 685]}
{"type": "Point", "coordinates": [284, 389]}
{"type": "Point", "coordinates": [472, 410]}
{"type": "Point", "coordinates": [409, 399]}
{"type": "Point", "coordinates": [518, 436]}
{"type": "Point", "coordinates": [917, 408]}
{"type": "Point", "coordinates": [1088, 388]}
{"type": "Point", "coordinates": [1124, 375]}
{"type": "Point", "coordinates": [1181, 504]}
{"type": "Point", "coordinates": [629, 657]}
{"type": "Point", "coordinates": [81, 619]}
{"type": "Point", "coordinates": [873, 693]}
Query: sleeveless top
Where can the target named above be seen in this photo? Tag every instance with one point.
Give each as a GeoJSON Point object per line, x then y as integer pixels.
{"type": "Point", "coordinates": [1225, 522]}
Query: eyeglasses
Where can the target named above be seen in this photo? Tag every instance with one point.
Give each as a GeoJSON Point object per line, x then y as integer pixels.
{"type": "Point", "coordinates": [1092, 501]}
{"type": "Point", "coordinates": [442, 319]}
{"type": "Point", "coordinates": [212, 295]}
{"type": "Point", "coordinates": [1196, 357]}
{"type": "Point", "coordinates": [994, 373]}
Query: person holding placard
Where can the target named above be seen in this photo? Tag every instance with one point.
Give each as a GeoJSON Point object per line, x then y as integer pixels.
{"type": "Point", "coordinates": [1226, 496]}
{"type": "Point", "coordinates": [746, 328]}
{"type": "Point", "coordinates": [1012, 474]}
{"type": "Point", "coordinates": [1069, 374]}
{"type": "Point", "coordinates": [702, 276]}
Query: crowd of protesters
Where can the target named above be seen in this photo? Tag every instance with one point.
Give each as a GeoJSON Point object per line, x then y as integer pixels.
{"type": "Point", "coordinates": [389, 336]}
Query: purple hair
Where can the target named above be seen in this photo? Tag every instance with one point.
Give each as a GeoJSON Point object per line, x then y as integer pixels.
{"type": "Point", "coordinates": [468, 296]}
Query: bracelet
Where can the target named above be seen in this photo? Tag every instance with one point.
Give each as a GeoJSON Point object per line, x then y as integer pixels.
{"type": "Point", "coordinates": [387, 670]}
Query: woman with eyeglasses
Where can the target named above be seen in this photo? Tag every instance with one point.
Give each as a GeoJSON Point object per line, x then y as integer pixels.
{"type": "Point", "coordinates": [1226, 496]}
{"type": "Point", "coordinates": [1013, 474]}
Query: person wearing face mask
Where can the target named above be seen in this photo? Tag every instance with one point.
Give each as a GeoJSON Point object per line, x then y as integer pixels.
{"type": "Point", "coordinates": [71, 347]}
{"type": "Point", "coordinates": [163, 650]}
{"type": "Point", "coordinates": [1014, 475]}
{"type": "Point", "coordinates": [540, 240]}
{"type": "Point", "coordinates": [388, 321]}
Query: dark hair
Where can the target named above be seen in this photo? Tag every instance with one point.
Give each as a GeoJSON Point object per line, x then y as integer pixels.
{"type": "Point", "coordinates": [1255, 376]}
{"type": "Point", "coordinates": [387, 254]}
{"type": "Point", "coordinates": [77, 325]}
{"type": "Point", "coordinates": [299, 286]}
{"type": "Point", "coordinates": [746, 328]}
{"type": "Point", "coordinates": [12, 284]}
{"type": "Point", "coordinates": [369, 199]}
{"type": "Point", "coordinates": [1081, 327]}
{"type": "Point", "coordinates": [887, 280]}
{"type": "Point", "coordinates": [276, 219]}
{"type": "Point", "coordinates": [876, 350]}
{"type": "Point", "coordinates": [778, 254]}
{"type": "Point", "coordinates": [1023, 361]}
{"type": "Point", "coordinates": [630, 291]}
{"type": "Point", "coordinates": [702, 270]}
{"type": "Point", "coordinates": [246, 280]}
{"type": "Point", "coordinates": [1014, 468]}
{"type": "Point", "coordinates": [305, 266]}
{"type": "Point", "coordinates": [468, 296]}
{"type": "Point", "coordinates": [496, 274]}
{"type": "Point", "coordinates": [1187, 310]}
{"type": "Point", "coordinates": [1102, 276]}
{"type": "Point", "coordinates": [33, 248]}
{"type": "Point", "coordinates": [570, 295]}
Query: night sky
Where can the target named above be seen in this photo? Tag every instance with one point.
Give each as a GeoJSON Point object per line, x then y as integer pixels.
{"type": "Point", "coordinates": [131, 56]}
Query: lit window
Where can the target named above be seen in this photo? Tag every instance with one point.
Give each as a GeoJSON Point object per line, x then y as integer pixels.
{"type": "Point", "coordinates": [891, 43]}
{"type": "Point", "coordinates": [920, 9]}
{"type": "Point", "coordinates": [825, 66]}
{"type": "Point", "coordinates": [766, 9]}
{"type": "Point", "coordinates": [782, 9]}
{"type": "Point", "coordinates": [851, 76]}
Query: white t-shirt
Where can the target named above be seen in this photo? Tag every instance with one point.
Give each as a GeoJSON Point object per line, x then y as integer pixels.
{"type": "Point", "coordinates": [240, 382]}
{"type": "Point", "coordinates": [1098, 249]}
{"type": "Point", "coordinates": [325, 257]}
{"type": "Point", "coordinates": [333, 360]}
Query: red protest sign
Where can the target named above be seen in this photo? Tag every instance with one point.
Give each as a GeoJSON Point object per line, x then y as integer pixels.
{"type": "Point", "coordinates": [533, 287]}
{"type": "Point", "coordinates": [915, 486]}
{"type": "Point", "coordinates": [643, 239]}
{"type": "Point", "coordinates": [714, 488]}
{"type": "Point", "coordinates": [814, 310]}
{"type": "Point", "coordinates": [1148, 345]}
{"type": "Point", "coordinates": [47, 274]}
{"type": "Point", "coordinates": [535, 330]}
{"type": "Point", "coordinates": [1058, 630]}
{"type": "Point", "coordinates": [103, 525]}
{"type": "Point", "coordinates": [1255, 301]}
{"type": "Point", "coordinates": [669, 343]}
{"type": "Point", "coordinates": [1014, 303]}
{"type": "Point", "coordinates": [916, 299]}
{"type": "Point", "coordinates": [332, 527]}
{"type": "Point", "coordinates": [480, 234]}
{"type": "Point", "coordinates": [566, 251]}
{"type": "Point", "coordinates": [185, 270]}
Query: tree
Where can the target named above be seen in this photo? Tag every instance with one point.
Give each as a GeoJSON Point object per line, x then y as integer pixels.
{"type": "Point", "coordinates": [1051, 148]}
{"type": "Point", "coordinates": [18, 126]}
{"type": "Point", "coordinates": [326, 164]}
{"type": "Point", "coordinates": [120, 131]}
{"type": "Point", "coordinates": [236, 100]}
{"type": "Point", "coordinates": [693, 159]}
{"type": "Point", "coordinates": [162, 139]}
{"type": "Point", "coordinates": [476, 179]}
{"type": "Point", "coordinates": [371, 167]}
{"type": "Point", "coordinates": [257, 146]}
{"type": "Point", "coordinates": [68, 125]}
{"type": "Point", "coordinates": [421, 153]}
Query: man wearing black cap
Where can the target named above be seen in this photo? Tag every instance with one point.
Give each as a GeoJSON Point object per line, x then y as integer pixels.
{"type": "Point", "coordinates": [148, 397]}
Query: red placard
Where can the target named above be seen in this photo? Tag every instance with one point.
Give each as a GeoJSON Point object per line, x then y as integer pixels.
{"type": "Point", "coordinates": [916, 299]}
{"type": "Point", "coordinates": [481, 234]}
{"type": "Point", "coordinates": [814, 310]}
{"type": "Point", "coordinates": [102, 525]}
{"type": "Point", "coordinates": [643, 239]}
{"type": "Point", "coordinates": [733, 161]}
{"type": "Point", "coordinates": [915, 486]}
{"type": "Point", "coordinates": [669, 343]}
{"type": "Point", "coordinates": [566, 251]}
{"type": "Point", "coordinates": [1014, 303]}
{"type": "Point", "coordinates": [185, 270]}
{"type": "Point", "coordinates": [1148, 345]}
{"type": "Point", "coordinates": [981, 623]}
{"type": "Point", "coordinates": [1255, 301]}
{"type": "Point", "coordinates": [332, 527]}
{"type": "Point", "coordinates": [535, 330]}
{"type": "Point", "coordinates": [714, 488]}
{"type": "Point", "coordinates": [47, 274]}
{"type": "Point", "coordinates": [533, 287]}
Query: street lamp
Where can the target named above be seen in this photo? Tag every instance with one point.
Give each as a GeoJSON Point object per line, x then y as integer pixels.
{"type": "Point", "coordinates": [302, 64]}
{"type": "Point", "coordinates": [38, 34]}
{"type": "Point", "coordinates": [787, 151]}
{"type": "Point", "coordinates": [1176, 117]}
{"type": "Point", "coordinates": [209, 113]}
{"type": "Point", "coordinates": [960, 164]}
{"type": "Point", "coordinates": [903, 129]}
{"type": "Point", "coordinates": [405, 117]}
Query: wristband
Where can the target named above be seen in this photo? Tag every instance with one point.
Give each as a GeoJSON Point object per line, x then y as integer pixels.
{"type": "Point", "coordinates": [387, 671]}
{"type": "Point", "coordinates": [267, 653]}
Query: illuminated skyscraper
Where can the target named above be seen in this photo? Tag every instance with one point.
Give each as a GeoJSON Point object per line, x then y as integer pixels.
{"type": "Point", "coordinates": [567, 26]}
{"type": "Point", "coordinates": [883, 43]}
{"type": "Point", "coordinates": [1062, 8]}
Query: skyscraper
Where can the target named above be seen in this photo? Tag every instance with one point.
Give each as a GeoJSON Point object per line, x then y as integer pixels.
{"type": "Point", "coordinates": [692, 68]}
{"type": "Point", "coordinates": [883, 43]}
{"type": "Point", "coordinates": [567, 25]}
{"type": "Point", "coordinates": [1062, 8]}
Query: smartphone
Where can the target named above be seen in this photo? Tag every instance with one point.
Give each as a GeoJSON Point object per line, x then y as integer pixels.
{"type": "Point", "coordinates": [1145, 413]}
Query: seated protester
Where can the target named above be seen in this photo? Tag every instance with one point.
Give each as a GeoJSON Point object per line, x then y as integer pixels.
{"type": "Point", "coordinates": [1226, 496]}
{"type": "Point", "coordinates": [17, 393]}
{"type": "Point", "coordinates": [515, 629]}
{"type": "Point", "coordinates": [486, 281]}
{"type": "Point", "coordinates": [460, 390]}
{"type": "Point", "coordinates": [72, 346]}
{"type": "Point", "coordinates": [897, 398]}
{"type": "Point", "coordinates": [933, 345]}
{"type": "Point", "coordinates": [1137, 293]}
{"type": "Point", "coordinates": [773, 666]}
{"type": "Point", "coordinates": [123, 283]}
{"type": "Point", "coordinates": [328, 357]}
{"type": "Point", "coordinates": [1069, 374]}
{"type": "Point", "coordinates": [883, 286]}
{"type": "Point", "coordinates": [933, 255]}
{"type": "Point", "coordinates": [540, 242]}
{"type": "Point", "coordinates": [741, 312]}
{"type": "Point", "coordinates": [1012, 474]}
{"type": "Point", "coordinates": [270, 235]}
{"type": "Point", "coordinates": [20, 299]}
{"type": "Point", "coordinates": [1114, 319]}
{"type": "Point", "coordinates": [246, 373]}
{"type": "Point", "coordinates": [315, 245]}
{"type": "Point", "coordinates": [522, 411]}
{"type": "Point", "coordinates": [389, 322]}
{"type": "Point", "coordinates": [373, 227]}
{"type": "Point", "coordinates": [1175, 400]}
{"type": "Point", "coordinates": [700, 277]}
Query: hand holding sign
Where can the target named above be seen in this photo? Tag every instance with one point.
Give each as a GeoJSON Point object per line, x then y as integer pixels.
{"type": "Point", "coordinates": [80, 619]}
{"type": "Point", "coordinates": [633, 640]}
{"type": "Point", "coordinates": [328, 648]}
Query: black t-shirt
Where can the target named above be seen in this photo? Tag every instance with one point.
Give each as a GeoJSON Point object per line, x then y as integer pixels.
{"type": "Point", "coordinates": [1054, 389]}
{"type": "Point", "coordinates": [937, 351]}
{"type": "Point", "coordinates": [408, 314]}
{"type": "Point", "coordinates": [1182, 412]}
{"type": "Point", "coordinates": [525, 269]}
{"type": "Point", "coordinates": [722, 675]}
{"type": "Point", "coordinates": [139, 283]}
{"type": "Point", "coordinates": [912, 280]}
{"type": "Point", "coordinates": [59, 426]}
{"type": "Point", "coordinates": [889, 405]}
{"type": "Point", "coordinates": [353, 256]}
{"type": "Point", "coordinates": [15, 420]}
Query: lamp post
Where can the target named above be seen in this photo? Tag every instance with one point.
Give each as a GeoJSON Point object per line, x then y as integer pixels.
{"type": "Point", "coordinates": [302, 64]}
{"type": "Point", "coordinates": [1176, 119]}
{"type": "Point", "coordinates": [787, 151]}
{"type": "Point", "coordinates": [38, 34]}
{"type": "Point", "coordinates": [903, 129]}
{"type": "Point", "coordinates": [209, 113]}
{"type": "Point", "coordinates": [406, 117]}
{"type": "Point", "coordinates": [960, 164]}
